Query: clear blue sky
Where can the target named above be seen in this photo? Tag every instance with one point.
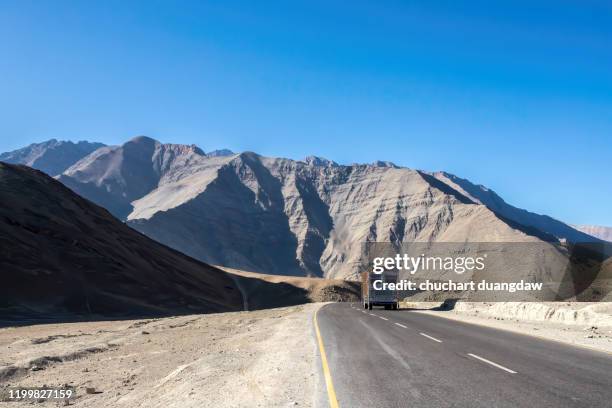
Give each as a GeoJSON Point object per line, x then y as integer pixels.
{"type": "Point", "coordinates": [516, 95]}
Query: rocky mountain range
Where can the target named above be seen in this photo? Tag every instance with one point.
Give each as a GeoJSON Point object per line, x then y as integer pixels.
{"type": "Point", "coordinates": [52, 157]}
{"type": "Point", "coordinates": [63, 256]}
{"type": "Point", "coordinates": [292, 217]}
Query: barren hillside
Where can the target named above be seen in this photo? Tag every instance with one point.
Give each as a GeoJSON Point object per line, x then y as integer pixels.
{"type": "Point", "coordinates": [494, 202]}
{"type": "Point", "coordinates": [62, 256]}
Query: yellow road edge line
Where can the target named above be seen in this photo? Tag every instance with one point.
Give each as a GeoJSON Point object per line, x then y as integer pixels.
{"type": "Point", "coordinates": [331, 392]}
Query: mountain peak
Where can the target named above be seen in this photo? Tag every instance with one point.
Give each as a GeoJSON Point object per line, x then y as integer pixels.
{"type": "Point", "coordinates": [220, 153]}
{"type": "Point", "coordinates": [142, 140]}
{"type": "Point", "coordinates": [319, 161]}
{"type": "Point", "coordinates": [380, 163]}
{"type": "Point", "coordinates": [181, 149]}
{"type": "Point", "coordinates": [197, 150]}
{"type": "Point", "coordinates": [51, 156]}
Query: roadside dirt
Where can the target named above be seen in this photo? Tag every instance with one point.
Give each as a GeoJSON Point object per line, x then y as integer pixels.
{"type": "Point", "coordinates": [263, 358]}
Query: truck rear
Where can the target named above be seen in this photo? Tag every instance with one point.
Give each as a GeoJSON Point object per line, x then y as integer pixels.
{"type": "Point", "coordinates": [371, 296]}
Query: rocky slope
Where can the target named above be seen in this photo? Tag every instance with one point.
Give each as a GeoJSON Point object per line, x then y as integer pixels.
{"type": "Point", "coordinates": [597, 231]}
{"type": "Point", "coordinates": [114, 176]}
{"type": "Point", "coordinates": [62, 256]}
{"type": "Point", "coordinates": [281, 216]}
{"type": "Point", "coordinates": [494, 202]}
{"type": "Point", "coordinates": [52, 156]}
{"type": "Point", "coordinates": [285, 217]}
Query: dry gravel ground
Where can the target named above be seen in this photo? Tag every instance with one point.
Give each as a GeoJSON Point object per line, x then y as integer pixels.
{"type": "Point", "coordinates": [264, 358]}
{"type": "Point", "coordinates": [580, 324]}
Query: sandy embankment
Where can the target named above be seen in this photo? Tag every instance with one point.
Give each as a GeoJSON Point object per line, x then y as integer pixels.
{"type": "Point", "coordinates": [581, 324]}
{"type": "Point", "coordinates": [263, 358]}
{"type": "Point", "coordinates": [261, 291]}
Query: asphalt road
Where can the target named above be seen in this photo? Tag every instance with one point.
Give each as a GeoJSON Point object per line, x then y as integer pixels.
{"type": "Point", "coordinates": [386, 358]}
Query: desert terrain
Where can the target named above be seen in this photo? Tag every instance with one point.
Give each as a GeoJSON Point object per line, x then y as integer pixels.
{"type": "Point", "coordinates": [117, 300]}
{"type": "Point", "coordinates": [263, 358]}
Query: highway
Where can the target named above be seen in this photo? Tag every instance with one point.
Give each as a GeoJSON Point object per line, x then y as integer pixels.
{"type": "Point", "coordinates": [386, 358]}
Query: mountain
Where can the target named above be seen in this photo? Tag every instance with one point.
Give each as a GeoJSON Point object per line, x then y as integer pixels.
{"type": "Point", "coordinates": [597, 231]}
{"type": "Point", "coordinates": [220, 153]}
{"type": "Point", "coordinates": [114, 176]}
{"type": "Point", "coordinates": [62, 256]}
{"type": "Point", "coordinates": [280, 216]}
{"type": "Point", "coordinates": [52, 157]}
{"type": "Point", "coordinates": [483, 195]}
{"type": "Point", "coordinates": [285, 217]}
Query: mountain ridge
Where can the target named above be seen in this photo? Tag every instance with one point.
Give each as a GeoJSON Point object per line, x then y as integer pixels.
{"type": "Point", "coordinates": [289, 217]}
{"type": "Point", "coordinates": [292, 217]}
{"type": "Point", "coordinates": [492, 200]}
{"type": "Point", "coordinates": [52, 156]}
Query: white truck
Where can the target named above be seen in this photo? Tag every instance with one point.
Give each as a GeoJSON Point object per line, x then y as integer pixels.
{"type": "Point", "coordinates": [379, 297]}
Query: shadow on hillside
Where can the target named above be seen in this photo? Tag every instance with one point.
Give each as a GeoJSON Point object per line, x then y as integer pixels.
{"type": "Point", "coordinates": [261, 294]}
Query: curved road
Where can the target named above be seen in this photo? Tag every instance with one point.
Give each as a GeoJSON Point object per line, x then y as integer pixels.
{"type": "Point", "coordinates": [384, 358]}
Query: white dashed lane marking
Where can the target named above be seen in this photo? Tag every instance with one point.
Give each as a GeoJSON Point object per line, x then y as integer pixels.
{"type": "Point", "coordinates": [501, 367]}
{"type": "Point", "coordinates": [430, 338]}
{"type": "Point", "coordinates": [484, 360]}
